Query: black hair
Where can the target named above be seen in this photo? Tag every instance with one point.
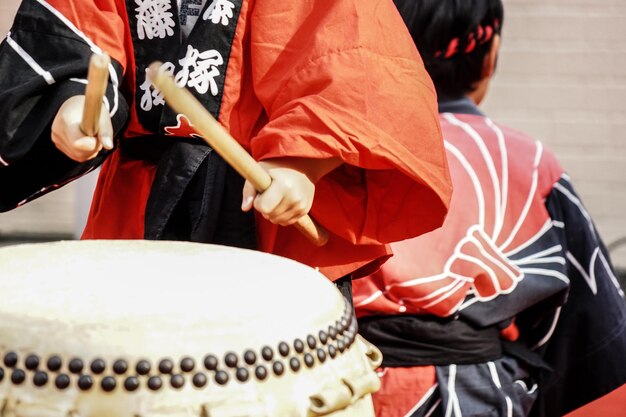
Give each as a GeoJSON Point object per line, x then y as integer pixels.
{"type": "Point", "coordinates": [437, 25]}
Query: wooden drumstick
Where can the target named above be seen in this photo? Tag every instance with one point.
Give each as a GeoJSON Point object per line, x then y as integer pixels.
{"type": "Point", "coordinates": [97, 81]}
{"type": "Point", "coordinates": [182, 101]}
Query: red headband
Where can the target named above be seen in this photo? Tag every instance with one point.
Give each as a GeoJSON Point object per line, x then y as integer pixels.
{"type": "Point", "coordinates": [482, 35]}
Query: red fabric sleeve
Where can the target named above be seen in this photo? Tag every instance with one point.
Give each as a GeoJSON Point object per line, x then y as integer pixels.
{"type": "Point", "coordinates": [342, 78]}
{"type": "Point", "coordinates": [402, 389]}
{"type": "Point", "coordinates": [102, 21]}
{"type": "Point", "coordinates": [119, 201]}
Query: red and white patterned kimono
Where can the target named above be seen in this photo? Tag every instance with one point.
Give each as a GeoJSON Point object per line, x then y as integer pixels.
{"type": "Point", "coordinates": [516, 243]}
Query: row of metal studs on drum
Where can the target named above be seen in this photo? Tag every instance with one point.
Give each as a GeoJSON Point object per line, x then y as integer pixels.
{"type": "Point", "coordinates": [344, 333]}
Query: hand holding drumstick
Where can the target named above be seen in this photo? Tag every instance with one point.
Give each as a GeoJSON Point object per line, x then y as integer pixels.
{"type": "Point", "coordinates": [82, 126]}
{"type": "Point", "coordinates": [256, 176]}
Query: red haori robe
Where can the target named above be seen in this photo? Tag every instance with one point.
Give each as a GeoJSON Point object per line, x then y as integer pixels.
{"type": "Point", "coordinates": [516, 244]}
{"type": "Point", "coordinates": [317, 80]}
{"type": "Point", "coordinates": [501, 181]}
{"type": "Point", "coordinates": [312, 78]}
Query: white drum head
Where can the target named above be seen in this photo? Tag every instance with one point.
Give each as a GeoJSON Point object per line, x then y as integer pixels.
{"type": "Point", "coordinates": [138, 328]}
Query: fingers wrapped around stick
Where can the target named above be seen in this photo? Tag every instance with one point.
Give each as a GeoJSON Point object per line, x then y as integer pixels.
{"type": "Point", "coordinates": [182, 101]}
{"type": "Point", "coordinates": [82, 125]}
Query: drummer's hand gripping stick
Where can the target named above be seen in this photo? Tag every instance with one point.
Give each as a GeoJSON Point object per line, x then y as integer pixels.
{"type": "Point", "coordinates": [182, 101]}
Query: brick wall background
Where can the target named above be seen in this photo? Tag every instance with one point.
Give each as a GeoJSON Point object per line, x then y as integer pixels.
{"type": "Point", "coordinates": [7, 10]}
{"type": "Point", "coordinates": [562, 78]}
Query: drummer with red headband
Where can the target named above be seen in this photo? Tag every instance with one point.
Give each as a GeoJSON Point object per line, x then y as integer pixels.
{"type": "Point", "coordinates": [512, 307]}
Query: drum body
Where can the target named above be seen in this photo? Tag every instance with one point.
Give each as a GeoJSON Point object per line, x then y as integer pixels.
{"type": "Point", "coordinates": [137, 328]}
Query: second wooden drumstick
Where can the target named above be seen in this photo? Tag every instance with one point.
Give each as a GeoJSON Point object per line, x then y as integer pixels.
{"type": "Point", "coordinates": [97, 81]}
